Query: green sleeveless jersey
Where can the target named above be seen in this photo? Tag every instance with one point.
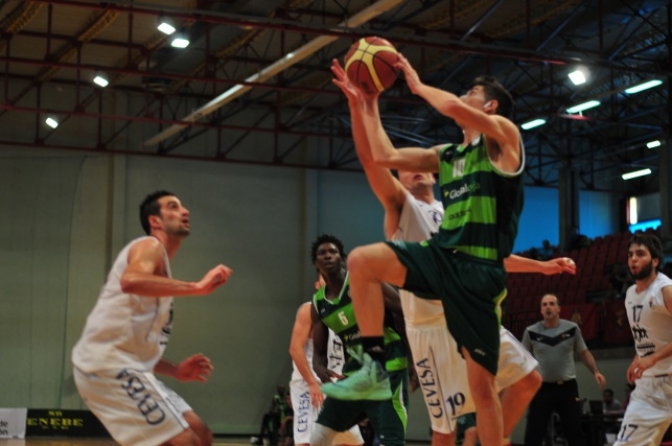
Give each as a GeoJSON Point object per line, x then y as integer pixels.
{"type": "Point", "coordinates": [339, 315]}
{"type": "Point", "coordinates": [482, 204]}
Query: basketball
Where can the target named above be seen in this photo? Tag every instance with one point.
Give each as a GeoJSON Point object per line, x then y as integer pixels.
{"type": "Point", "coordinates": [369, 64]}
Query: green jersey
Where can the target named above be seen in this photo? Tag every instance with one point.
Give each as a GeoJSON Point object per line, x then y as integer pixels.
{"type": "Point", "coordinates": [339, 315]}
{"type": "Point", "coordinates": [482, 204]}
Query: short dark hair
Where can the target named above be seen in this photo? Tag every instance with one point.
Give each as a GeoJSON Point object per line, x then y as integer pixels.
{"type": "Point", "coordinates": [557, 300]}
{"type": "Point", "coordinates": [495, 91]}
{"type": "Point", "coordinates": [609, 391]}
{"type": "Point", "coordinates": [652, 243]}
{"type": "Point", "coordinates": [327, 238]}
{"type": "Point", "coordinates": [150, 206]}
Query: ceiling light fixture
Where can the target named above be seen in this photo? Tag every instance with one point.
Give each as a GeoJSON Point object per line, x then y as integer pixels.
{"type": "Point", "coordinates": [581, 107]}
{"type": "Point", "coordinates": [166, 26]}
{"type": "Point", "coordinates": [532, 124]}
{"type": "Point", "coordinates": [577, 77]}
{"type": "Point", "coordinates": [636, 174]}
{"type": "Point", "coordinates": [180, 41]}
{"type": "Point", "coordinates": [101, 80]}
{"type": "Point", "coordinates": [653, 144]}
{"type": "Point", "coordinates": [644, 86]}
{"type": "Point", "coordinates": [51, 122]}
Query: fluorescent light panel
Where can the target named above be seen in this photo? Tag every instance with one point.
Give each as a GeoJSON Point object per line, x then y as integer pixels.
{"type": "Point", "coordinates": [577, 77]}
{"type": "Point", "coordinates": [51, 122]}
{"type": "Point", "coordinates": [643, 86]}
{"type": "Point", "coordinates": [166, 28]}
{"type": "Point", "coordinates": [532, 124]}
{"type": "Point", "coordinates": [632, 211]}
{"type": "Point", "coordinates": [180, 42]}
{"type": "Point", "coordinates": [100, 80]}
{"type": "Point", "coordinates": [636, 174]}
{"type": "Point", "coordinates": [581, 107]}
{"type": "Point", "coordinates": [653, 144]}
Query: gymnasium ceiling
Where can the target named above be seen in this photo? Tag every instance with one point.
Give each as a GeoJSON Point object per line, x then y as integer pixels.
{"type": "Point", "coordinates": [272, 105]}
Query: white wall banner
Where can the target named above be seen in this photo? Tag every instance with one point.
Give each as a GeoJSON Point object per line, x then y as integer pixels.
{"type": "Point", "coordinates": [13, 423]}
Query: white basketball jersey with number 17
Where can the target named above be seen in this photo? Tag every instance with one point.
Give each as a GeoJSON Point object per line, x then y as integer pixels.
{"type": "Point", "coordinates": [650, 322]}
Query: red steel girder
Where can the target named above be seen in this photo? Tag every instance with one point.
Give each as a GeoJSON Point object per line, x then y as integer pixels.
{"type": "Point", "coordinates": [151, 119]}
{"type": "Point", "coordinates": [422, 41]}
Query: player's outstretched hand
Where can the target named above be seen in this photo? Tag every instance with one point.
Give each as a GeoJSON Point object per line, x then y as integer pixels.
{"type": "Point", "coordinates": [195, 368]}
{"type": "Point", "coordinates": [216, 277]}
{"type": "Point", "coordinates": [559, 266]}
{"type": "Point", "coordinates": [412, 78]}
{"type": "Point", "coordinates": [341, 81]}
{"type": "Point", "coordinates": [350, 90]}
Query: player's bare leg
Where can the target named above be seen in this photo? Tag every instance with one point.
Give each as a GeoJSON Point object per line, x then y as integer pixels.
{"type": "Point", "coordinates": [199, 427]}
{"type": "Point", "coordinates": [369, 266]}
{"type": "Point", "coordinates": [516, 399]}
{"type": "Point", "coordinates": [488, 408]}
{"type": "Point", "coordinates": [439, 439]}
{"type": "Point", "coordinates": [185, 438]}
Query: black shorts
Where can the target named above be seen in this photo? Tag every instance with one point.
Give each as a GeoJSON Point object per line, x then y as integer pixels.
{"type": "Point", "coordinates": [388, 418]}
{"type": "Point", "coordinates": [470, 288]}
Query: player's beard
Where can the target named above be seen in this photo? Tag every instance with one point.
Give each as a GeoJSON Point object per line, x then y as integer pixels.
{"type": "Point", "coordinates": [644, 272]}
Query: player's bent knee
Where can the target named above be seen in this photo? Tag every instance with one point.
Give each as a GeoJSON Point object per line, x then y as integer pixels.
{"type": "Point", "coordinates": [185, 438]}
{"type": "Point", "coordinates": [199, 427]}
{"type": "Point", "coordinates": [357, 260]}
{"type": "Point", "coordinates": [441, 439]}
{"type": "Point", "coordinates": [322, 435]}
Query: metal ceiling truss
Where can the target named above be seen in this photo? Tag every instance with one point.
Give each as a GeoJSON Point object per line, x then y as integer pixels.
{"type": "Point", "coordinates": [534, 48]}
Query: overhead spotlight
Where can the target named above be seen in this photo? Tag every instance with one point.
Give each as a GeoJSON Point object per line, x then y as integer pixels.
{"type": "Point", "coordinates": [577, 77]}
{"type": "Point", "coordinates": [581, 107]}
{"type": "Point", "coordinates": [532, 124]}
{"type": "Point", "coordinates": [636, 174]}
{"type": "Point", "coordinates": [653, 144]}
{"type": "Point", "coordinates": [643, 86]}
{"type": "Point", "coordinates": [51, 122]}
{"type": "Point", "coordinates": [180, 40]}
{"type": "Point", "coordinates": [166, 26]}
{"type": "Point", "coordinates": [101, 80]}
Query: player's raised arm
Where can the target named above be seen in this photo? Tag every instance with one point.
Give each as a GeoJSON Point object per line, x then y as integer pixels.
{"type": "Point", "coordinates": [143, 275]}
{"type": "Point", "coordinates": [386, 188]}
{"type": "Point", "coordinates": [518, 264]}
{"type": "Point", "coordinates": [382, 150]}
{"type": "Point", "coordinates": [485, 121]}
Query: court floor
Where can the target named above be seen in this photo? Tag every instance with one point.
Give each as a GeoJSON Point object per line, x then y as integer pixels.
{"type": "Point", "coordinates": [99, 442]}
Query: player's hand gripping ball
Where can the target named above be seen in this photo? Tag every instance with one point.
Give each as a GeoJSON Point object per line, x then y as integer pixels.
{"type": "Point", "coordinates": [369, 64]}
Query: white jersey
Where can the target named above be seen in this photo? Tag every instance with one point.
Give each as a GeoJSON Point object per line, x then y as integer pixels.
{"type": "Point", "coordinates": [124, 330]}
{"type": "Point", "coordinates": [417, 222]}
{"type": "Point", "coordinates": [335, 358]}
{"type": "Point", "coordinates": [650, 322]}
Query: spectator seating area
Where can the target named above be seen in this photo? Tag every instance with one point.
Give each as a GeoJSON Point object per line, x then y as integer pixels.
{"type": "Point", "coordinates": [586, 293]}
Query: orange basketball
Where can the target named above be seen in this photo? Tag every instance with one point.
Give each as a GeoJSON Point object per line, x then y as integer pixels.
{"type": "Point", "coordinates": [369, 64]}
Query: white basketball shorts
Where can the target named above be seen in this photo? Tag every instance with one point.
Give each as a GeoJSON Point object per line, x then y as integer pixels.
{"type": "Point", "coordinates": [136, 408]}
{"type": "Point", "coordinates": [649, 413]}
{"type": "Point", "coordinates": [305, 415]}
{"type": "Point", "coordinates": [442, 372]}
